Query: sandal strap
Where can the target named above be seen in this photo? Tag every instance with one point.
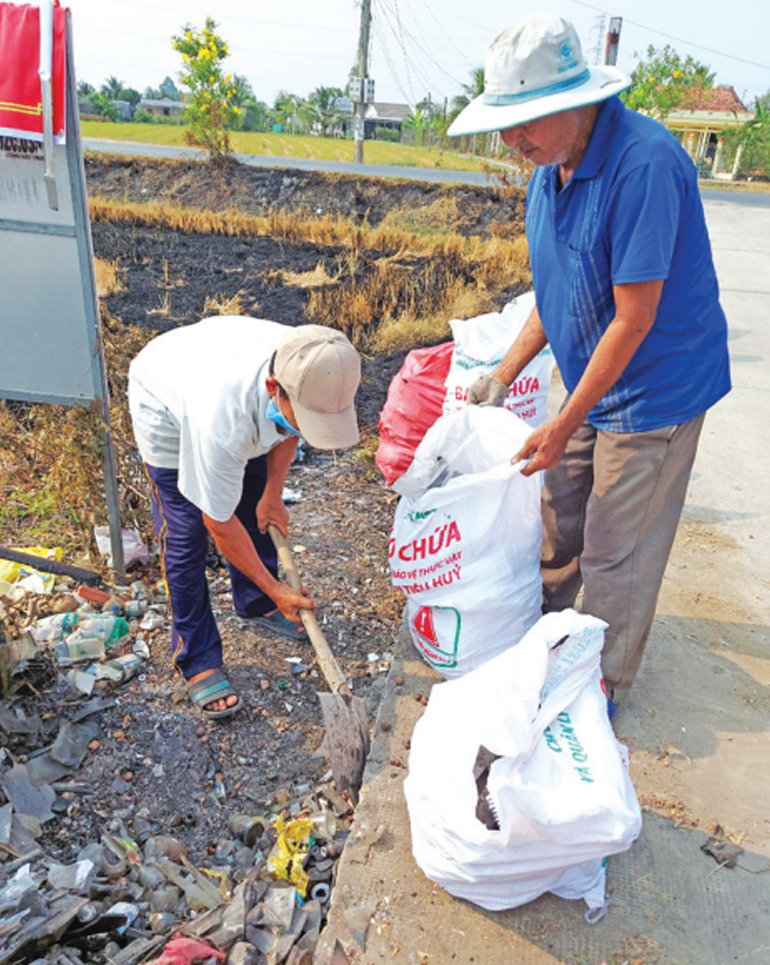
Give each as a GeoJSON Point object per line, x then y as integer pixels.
{"type": "Point", "coordinates": [213, 687]}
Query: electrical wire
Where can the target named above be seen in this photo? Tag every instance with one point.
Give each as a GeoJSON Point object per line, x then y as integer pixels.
{"type": "Point", "coordinates": [428, 56]}
{"type": "Point", "coordinates": [679, 40]}
{"type": "Point", "coordinates": [397, 33]}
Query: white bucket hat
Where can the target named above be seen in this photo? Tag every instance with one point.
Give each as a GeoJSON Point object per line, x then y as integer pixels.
{"type": "Point", "coordinates": [534, 68]}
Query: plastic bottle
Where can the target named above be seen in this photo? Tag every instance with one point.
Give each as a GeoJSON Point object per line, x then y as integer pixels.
{"type": "Point", "coordinates": [107, 627]}
{"type": "Point", "coordinates": [73, 650]}
{"type": "Point", "coordinates": [120, 668]}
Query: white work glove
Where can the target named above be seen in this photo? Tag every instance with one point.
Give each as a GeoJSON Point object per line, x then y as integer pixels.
{"type": "Point", "coordinates": [487, 390]}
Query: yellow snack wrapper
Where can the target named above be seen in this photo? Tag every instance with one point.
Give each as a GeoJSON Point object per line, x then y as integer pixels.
{"type": "Point", "coordinates": [286, 860]}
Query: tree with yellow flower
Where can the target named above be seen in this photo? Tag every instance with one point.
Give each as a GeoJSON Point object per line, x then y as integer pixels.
{"type": "Point", "coordinates": [212, 106]}
{"type": "Point", "coordinates": [663, 80]}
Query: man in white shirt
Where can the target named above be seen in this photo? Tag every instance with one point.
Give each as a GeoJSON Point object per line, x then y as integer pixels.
{"type": "Point", "coordinates": [217, 409]}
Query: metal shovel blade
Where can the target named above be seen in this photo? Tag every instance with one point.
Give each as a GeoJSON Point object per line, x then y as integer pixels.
{"type": "Point", "coordinates": [347, 740]}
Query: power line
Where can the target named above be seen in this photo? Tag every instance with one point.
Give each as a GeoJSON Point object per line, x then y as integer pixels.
{"type": "Point", "coordinates": [441, 28]}
{"type": "Point", "coordinates": [679, 40]}
{"type": "Point", "coordinates": [428, 55]}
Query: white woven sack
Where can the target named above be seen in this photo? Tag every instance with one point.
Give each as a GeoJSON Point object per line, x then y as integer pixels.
{"type": "Point", "coordinates": [480, 344]}
{"type": "Point", "coordinates": [465, 547]}
{"type": "Point", "coordinates": [560, 789]}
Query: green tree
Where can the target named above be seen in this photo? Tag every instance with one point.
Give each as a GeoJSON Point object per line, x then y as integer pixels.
{"type": "Point", "coordinates": [419, 122]}
{"type": "Point", "coordinates": [663, 80]}
{"type": "Point", "coordinates": [480, 143]}
{"type": "Point", "coordinates": [753, 138]}
{"type": "Point", "coordinates": [321, 109]}
{"type": "Point", "coordinates": [287, 110]}
{"type": "Point", "coordinates": [470, 91]}
{"type": "Point", "coordinates": [130, 95]}
{"type": "Point", "coordinates": [168, 88]}
{"type": "Point", "coordinates": [152, 94]}
{"type": "Point", "coordinates": [84, 88]}
{"type": "Point", "coordinates": [112, 87]}
{"type": "Point", "coordinates": [103, 106]}
{"type": "Point", "coordinates": [253, 112]}
{"type": "Point", "coordinates": [211, 109]}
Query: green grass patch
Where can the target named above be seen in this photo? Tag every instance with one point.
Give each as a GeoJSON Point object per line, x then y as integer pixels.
{"type": "Point", "coordinates": [291, 145]}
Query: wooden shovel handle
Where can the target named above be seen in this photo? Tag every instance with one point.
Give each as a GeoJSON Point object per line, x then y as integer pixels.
{"type": "Point", "coordinates": [329, 666]}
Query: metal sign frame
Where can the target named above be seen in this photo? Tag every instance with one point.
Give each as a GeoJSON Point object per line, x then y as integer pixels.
{"type": "Point", "coordinates": [62, 244]}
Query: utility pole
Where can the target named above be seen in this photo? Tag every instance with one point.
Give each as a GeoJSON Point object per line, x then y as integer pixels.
{"type": "Point", "coordinates": [613, 41]}
{"type": "Point", "coordinates": [360, 80]}
{"type": "Point", "coordinates": [597, 30]}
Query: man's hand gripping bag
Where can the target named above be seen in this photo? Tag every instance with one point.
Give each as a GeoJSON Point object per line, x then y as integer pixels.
{"type": "Point", "coordinates": [517, 784]}
{"type": "Point", "coordinates": [465, 546]}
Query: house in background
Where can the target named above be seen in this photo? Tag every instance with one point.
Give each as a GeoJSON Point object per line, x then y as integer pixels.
{"type": "Point", "coordinates": [163, 107]}
{"type": "Point", "coordinates": [699, 125]}
{"type": "Point", "coordinates": [383, 115]}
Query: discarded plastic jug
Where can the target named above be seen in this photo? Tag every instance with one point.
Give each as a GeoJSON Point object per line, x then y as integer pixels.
{"type": "Point", "coordinates": [152, 621]}
{"type": "Point", "coordinates": [136, 608]}
{"type": "Point", "coordinates": [120, 668]}
{"type": "Point", "coordinates": [74, 650]}
{"type": "Point", "coordinates": [103, 626]}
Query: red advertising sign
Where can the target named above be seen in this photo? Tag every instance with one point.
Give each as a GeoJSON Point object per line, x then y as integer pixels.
{"type": "Point", "coordinates": [21, 102]}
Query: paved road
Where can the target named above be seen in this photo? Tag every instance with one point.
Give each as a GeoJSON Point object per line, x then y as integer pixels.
{"type": "Point", "coordinates": [370, 170]}
{"type": "Point", "coordinates": [300, 164]}
{"type": "Point", "coordinates": [697, 723]}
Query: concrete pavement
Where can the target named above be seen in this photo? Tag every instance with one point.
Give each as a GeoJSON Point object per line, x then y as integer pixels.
{"type": "Point", "coordinates": [697, 723]}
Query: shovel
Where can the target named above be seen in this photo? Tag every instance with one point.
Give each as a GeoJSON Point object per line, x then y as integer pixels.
{"type": "Point", "coordinates": [347, 730]}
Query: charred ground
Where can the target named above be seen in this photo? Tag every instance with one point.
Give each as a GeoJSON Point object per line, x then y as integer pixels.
{"type": "Point", "coordinates": [155, 755]}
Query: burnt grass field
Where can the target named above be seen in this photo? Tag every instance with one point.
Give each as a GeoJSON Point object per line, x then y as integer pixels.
{"type": "Point", "coordinates": [155, 753]}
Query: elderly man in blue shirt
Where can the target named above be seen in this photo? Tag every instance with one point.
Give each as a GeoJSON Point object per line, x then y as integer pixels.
{"type": "Point", "coordinates": [627, 297]}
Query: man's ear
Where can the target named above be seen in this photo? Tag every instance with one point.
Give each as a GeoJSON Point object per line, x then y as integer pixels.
{"type": "Point", "coordinates": [271, 384]}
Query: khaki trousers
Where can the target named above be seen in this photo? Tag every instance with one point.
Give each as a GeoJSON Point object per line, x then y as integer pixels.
{"type": "Point", "coordinates": [610, 512]}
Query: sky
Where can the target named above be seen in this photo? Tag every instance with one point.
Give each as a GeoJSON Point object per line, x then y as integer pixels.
{"type": "Point", "coordinates": [418, 47]}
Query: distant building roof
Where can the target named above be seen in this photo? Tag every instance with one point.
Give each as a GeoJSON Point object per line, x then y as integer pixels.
{"type": "Point", "coordinates": [721, 100]}
{"type": "Point", "coordinates": [166, 102]}
{"type": "Point", "coordinates": [388, 112]}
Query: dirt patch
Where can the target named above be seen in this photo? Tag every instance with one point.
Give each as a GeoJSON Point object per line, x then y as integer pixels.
{"type": "Point", "coordinates": [154, 754]}
{"type": "Point", "coordinates": [466, 209]}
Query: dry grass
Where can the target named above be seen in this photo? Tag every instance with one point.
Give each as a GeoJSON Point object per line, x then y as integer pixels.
{"type": "Point", "coordinates": [317, 278]}
{"type": "Point", "coordinates": [109, 277]}
{"type": "Point", "coordinates": [385, 304]}
{"type": "Point", "coordinates": [393, 286]}
{"type": "Point", "coordinates": [388, 287]}
{"type": "Point", "coordinates": [440, 217]}
{"type": "Point", "coordinates": [222, 305]}
{"type": "Point", "coordinates": [51, 475]}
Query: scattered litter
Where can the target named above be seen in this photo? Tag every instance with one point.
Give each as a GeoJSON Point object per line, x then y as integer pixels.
{"type": "Point", "coordinates": [25, 797]}
{"type": "Point", "coordinates": [25, 575]}
{"type": "Point", "coordinates": [71, 744]}
{"type": "Point", "coordinates": [134, 549]}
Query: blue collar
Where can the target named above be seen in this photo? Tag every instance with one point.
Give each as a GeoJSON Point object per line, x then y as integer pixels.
{"type": "Point", "coordinates": [602, 136]}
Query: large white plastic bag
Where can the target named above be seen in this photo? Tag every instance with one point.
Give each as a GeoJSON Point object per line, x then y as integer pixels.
{"type": "Point", "coordinates": [467, 553]}
{"type": "Point", "coordinates": [479, 345]}
{"type": "Point", "coordinates": [561, 811]}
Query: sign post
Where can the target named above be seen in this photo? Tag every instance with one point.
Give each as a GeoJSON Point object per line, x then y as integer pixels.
{"type": "Point", "coordinates": [50, 330]}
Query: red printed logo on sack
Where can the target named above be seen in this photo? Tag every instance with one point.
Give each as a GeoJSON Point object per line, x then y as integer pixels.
{"type": "Point", "coordinates": [436, 634]}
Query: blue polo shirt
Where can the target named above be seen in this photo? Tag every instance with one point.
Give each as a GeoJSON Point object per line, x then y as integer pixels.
{"type": "Point", "coordinates": [631, 212]}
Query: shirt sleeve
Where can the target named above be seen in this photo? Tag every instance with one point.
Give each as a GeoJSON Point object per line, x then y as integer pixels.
{"type": "Point", "coordinates": [644, 222]}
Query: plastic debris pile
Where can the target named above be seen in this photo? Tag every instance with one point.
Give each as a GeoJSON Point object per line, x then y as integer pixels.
{"type": "Point", "coordinates": [132, 893]}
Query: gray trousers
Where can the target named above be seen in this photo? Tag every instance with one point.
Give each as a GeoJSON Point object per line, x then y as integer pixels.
{"type": "Point", "coordinates": [610, 512]}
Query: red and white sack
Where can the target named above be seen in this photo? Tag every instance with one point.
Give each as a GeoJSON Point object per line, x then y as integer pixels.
{"type": "Point", "coordinates": [465, 546]}
{"type": "Point", "coordinates": [415, 400]}
{"type": "Point", "coordinates": [480, 344]}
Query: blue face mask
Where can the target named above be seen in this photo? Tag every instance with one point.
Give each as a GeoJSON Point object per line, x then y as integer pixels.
{"type": "Point", "coordinates": [275, 415]}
